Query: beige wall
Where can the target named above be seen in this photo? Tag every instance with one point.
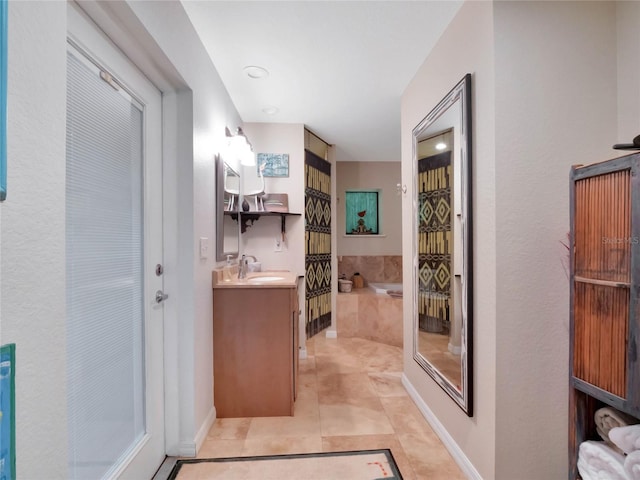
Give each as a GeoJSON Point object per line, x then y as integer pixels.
{"type": "Point", "coordinates": [555, 107]}
{"type": "Point", "coordinates": [371, 175]}
{"type": "Point", "coordinates": [33, 313]}
{"type": "Point", "coordinates": [203, 110]}
{"type": "Point", "coordinates": [465, 47]}
{"type": "Point", "coordinates": [545, 96]}
{"type": "Point", "coordinates": [259, 240]}
{"type": "Point", "coordinates": [628, 19]}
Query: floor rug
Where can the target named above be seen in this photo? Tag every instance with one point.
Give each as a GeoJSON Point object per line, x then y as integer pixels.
{"type": "Point", "coordinates": [356, 465]}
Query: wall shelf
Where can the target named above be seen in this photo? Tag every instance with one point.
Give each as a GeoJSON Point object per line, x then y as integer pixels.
{"type": "Point", "coordinates": [252, 217]}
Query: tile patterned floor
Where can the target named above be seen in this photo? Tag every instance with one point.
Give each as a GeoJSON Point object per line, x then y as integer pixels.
{"type": "Point", "coordinates": [350, 397]}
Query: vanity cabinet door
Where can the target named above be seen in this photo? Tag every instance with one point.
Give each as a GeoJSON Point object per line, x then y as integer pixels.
{"type": "Point", "coordinates": [253, 337]}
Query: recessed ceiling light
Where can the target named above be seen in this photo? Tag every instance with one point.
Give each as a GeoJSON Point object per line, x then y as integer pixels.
{"type": "Point", "coordinates": [253, 71]}
{"type": "Point", "coordinates": [271, 110]}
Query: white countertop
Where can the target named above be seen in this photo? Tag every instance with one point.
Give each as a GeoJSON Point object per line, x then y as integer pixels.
{"type": "Point", "coordinates": [268, 279]}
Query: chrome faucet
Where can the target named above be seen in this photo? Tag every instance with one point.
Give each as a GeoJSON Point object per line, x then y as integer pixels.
{"type": "Point", "coordinates": [244, 265]}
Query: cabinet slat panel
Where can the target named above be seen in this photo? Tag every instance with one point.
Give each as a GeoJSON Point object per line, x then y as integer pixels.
{"type": "Point", "coordinates": [600, 336]}
{"type": "Point", "coordinates": [602, 233]}
{"type": "Point", "coordinates": [605, 295]}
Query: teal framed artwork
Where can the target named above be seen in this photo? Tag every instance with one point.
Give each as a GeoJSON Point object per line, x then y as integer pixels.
{"type": "Point", "coordinates": [4, 13]}
{"type": "Point", "coordinates": [362, 213]}
{"type": "Point", "coordinates": [8, 412]}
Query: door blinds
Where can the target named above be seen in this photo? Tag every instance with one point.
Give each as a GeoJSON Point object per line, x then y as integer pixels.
{"type": "Point", "coordinates": [104, 263]}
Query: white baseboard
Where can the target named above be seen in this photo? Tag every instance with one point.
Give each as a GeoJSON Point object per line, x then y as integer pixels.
{"type": "Point", "coordinates": [458, 455]}
{"type": "Point", "coordinates": [332, 334]}
{"type": "Point", "coordinates": [302, 354]}
{"type": "Point", "coordinates": [456, 350]}
{"type": "Point", "coordinates": [186, 449]}
{"type": "Point", "coordinates": [201, 436]}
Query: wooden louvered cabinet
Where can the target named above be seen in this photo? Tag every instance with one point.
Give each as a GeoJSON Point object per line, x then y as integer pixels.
{"type": "Point", "coordinates": [605, 293]}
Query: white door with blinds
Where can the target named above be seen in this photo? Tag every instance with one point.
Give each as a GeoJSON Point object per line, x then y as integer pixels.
{"type": "Point", "coordinates": [113, 244]}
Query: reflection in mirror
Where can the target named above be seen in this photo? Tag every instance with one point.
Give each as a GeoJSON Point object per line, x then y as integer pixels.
{"type": "Point", "coordinates": [227, 194]}
{"type": "Point", "coordinates": [231, 189]}
{"type": "Point", "coordinates": [442, 244]}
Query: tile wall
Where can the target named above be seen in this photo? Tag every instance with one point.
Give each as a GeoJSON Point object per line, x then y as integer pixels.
{"type": "Point", "coordinates": [374, 268]}
{"type": "Point", "coordinates": [365, 314]}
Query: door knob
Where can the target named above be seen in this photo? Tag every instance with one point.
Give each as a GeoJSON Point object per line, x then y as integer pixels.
{"type": "Point", "coordinates": [161, 296]}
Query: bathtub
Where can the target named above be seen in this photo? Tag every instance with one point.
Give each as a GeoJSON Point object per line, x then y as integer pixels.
{"type": "Point", "coordinates": [383, 287]}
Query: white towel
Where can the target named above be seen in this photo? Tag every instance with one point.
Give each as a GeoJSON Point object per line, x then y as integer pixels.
{"type": "Point", "coordinates": [632, 465]}
{"type": "Point", "coordinates": [607, 418]}
{"type": "Point", "coordinates": [626, 438]}
{"type": "Point", "coordinates": [598, 461]}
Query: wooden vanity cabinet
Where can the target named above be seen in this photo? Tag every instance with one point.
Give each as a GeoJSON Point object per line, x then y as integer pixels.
{"type": "Point", "coordinates": [605, 296]}
{"type": "Point", "coordinates": [255, 351]}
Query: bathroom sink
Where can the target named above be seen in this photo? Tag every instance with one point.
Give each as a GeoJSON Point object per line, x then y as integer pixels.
{"type": "Point", "coordinates": [265, 278]}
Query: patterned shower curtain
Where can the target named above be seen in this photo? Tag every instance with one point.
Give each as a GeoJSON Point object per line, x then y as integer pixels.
{"type": "Point", "coordinates": [317, 172]}
{"type": "Point", "coordinates": [435, 176]}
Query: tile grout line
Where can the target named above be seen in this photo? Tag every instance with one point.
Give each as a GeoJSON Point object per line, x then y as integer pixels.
{"type": "Point", "coordinates": [342, 359]}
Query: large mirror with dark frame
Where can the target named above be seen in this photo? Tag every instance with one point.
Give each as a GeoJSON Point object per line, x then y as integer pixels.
{"type": "Point", "coordinates": [443, 295]}
{"type": "Point", "coordinates": [227, 196]}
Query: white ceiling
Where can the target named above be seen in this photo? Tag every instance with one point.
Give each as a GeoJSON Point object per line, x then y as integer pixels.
{"type": "Point", "coordinates": [339, 67]}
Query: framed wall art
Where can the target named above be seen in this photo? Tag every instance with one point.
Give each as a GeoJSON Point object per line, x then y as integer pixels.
{"type": "Point", "coordinates": [275, 164]}
{"type": "Point", "coordinates": [8, 412]}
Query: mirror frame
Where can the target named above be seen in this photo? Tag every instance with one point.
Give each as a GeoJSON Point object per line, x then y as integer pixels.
{"type": "Point", "coordinates": [219, 212]}
{"type": "Point", "coordinates": [461, 94]}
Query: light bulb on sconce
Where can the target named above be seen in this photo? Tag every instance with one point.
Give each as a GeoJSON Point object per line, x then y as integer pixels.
{"type": "Point", "coordinates": [240, 147]}
{"type": "Point", "coordinates": [247, 157]}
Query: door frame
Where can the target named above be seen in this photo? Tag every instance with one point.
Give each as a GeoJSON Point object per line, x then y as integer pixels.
{"type": "Point", "coordinates": [118, 21]}
{"type": "Point", "coordinates": [88, 43]}
{"type": "Point", "coordinates": [121, 25]}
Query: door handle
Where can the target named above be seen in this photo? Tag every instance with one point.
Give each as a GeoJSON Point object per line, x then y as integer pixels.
{"type": "Point", "coordinates": [161, 296]}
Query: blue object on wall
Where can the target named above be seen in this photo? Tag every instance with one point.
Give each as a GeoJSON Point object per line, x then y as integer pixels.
{"type": "Point", "coordinates": [273, 164]}
{"type": "Point", "coordinates": [362, 213]}
{"type": "Point", "coordinates": [4, 13]}
{"type": "Point", "coordinates": [8, 412]}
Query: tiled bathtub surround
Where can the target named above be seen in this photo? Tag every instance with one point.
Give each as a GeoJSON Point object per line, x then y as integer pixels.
{"type": "Point", "coordinates": [374, 268]}
{"type": "Point", "coordinates": [365, 314]}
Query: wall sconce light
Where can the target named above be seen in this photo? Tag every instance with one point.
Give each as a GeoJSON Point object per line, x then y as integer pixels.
{"type": "Point", "coordinates": [240, 147]}
{"type": "Point", "coordinates": [401, 189]}
{"type": "Point", "coordinates": [629, 146]}
{"type": "Point", "coordinates": [441, 145]}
